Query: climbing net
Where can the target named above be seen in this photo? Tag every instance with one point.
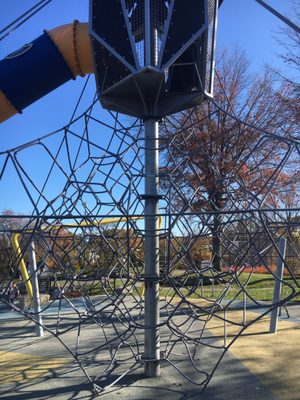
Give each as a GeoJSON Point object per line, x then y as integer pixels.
{"type": "Point", "coordinates": [229, 195]}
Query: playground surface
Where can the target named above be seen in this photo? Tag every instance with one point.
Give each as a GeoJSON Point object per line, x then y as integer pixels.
{"type": "Point", "coordinates": [258, 366]}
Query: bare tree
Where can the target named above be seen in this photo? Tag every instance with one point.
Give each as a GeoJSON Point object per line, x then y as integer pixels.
{"type": "Point", "coordinates": [10, 223]}
{"type": "Point", "coordinates": [290, 42]}
{"type": "Point", "coordinates": [214, 162]}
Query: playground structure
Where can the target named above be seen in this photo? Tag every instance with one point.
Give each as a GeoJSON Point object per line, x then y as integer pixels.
{"type": "Point", "coordinates": [19, 255]}
{"type": "Point", "coordinates": [153, 228]}
{"type": "Point", "coordinates": [195, 303]}
{"type": "Point", "coordinates": [137, 75]}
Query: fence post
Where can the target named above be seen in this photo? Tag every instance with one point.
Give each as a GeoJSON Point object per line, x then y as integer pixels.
{"type": "Point", "coordinates": [244, 306]}
{"type": "Point", "coordinates": [278, 284]}
{"type": "Point", "coordinates": [35, 291]}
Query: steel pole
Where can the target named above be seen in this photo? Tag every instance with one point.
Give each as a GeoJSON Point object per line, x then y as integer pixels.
{"type": "Point", "coordinates": [279, 15]}
{"type": "Point", "coordinates": [152, 337]}
{"type": "Point", "coordinates": [278, 285]}
{"type": "Point", "coordinates": [35, 291]}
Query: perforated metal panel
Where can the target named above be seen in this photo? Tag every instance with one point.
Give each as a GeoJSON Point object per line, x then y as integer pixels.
{"type": "Point", "coordinates": [159, 14]}
{"type": "Point", "coordinates": [159, 54]}
{"type": "Point", "coordinates": [136, 17]}
{"type": "Point", "coordinates": [109, 25]}
{"type": "Point", "coordinates": [186, 25]}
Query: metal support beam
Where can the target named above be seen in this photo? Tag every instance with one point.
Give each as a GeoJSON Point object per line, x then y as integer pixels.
{"type": "Point", "coordinates": [278, 284]}
{"type": "Point", "coordinates": [35, 290]}
{"type": "Point", "coordinates": [280, 16]}
{"type": "Point", "coordinates": [152, 338]}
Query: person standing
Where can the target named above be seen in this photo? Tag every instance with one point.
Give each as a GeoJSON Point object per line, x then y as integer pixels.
{"type": "Point", "coordinates": [13, 293]}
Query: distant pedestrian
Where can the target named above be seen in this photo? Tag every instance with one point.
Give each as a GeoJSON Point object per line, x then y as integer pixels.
{"type": "Point", "coordinates": [13, 293]}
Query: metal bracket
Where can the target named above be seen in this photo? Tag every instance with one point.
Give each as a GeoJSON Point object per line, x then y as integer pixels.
{"type": "Point", "coordinates": [152, 196]}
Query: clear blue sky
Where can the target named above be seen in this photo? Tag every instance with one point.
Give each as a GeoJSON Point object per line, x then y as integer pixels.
{"type": "Point", "coordinates": [241, 22]}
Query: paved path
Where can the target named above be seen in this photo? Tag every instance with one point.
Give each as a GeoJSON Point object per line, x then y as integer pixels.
{"type": "Point", "coordinates": [259, 366]}
{"type": "Point", "coordinates": [273, 358]}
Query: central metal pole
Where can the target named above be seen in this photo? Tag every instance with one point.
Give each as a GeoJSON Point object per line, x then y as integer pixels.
{"type": "Point", "coordinates": [152, 339]}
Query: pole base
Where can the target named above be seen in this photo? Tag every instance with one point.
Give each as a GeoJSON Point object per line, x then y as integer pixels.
{"type": "Point", "coordinates": [152, 368]}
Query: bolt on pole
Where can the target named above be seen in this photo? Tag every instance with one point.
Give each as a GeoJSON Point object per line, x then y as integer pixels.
{"type": "Point", "coordinates": [35, 290]}
{"type": "Point", "coordinates": [152, 336]}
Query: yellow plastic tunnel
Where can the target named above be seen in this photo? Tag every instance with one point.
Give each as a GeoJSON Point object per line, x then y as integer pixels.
{"type": "Point", "coordinates": [39, 67]}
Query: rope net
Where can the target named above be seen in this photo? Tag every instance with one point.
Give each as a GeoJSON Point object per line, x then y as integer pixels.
{"type": "Point", "coordinates": [223, 209]}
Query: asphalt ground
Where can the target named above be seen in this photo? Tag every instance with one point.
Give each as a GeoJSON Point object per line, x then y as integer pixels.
{"type": "Point", "coordinates": [258, 365]}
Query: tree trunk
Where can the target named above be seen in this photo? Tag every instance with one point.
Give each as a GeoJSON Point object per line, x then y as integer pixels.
{"type": "Point", "coordinates": [216, 231]}
{"type": "Point", "coordinates": [216, 243]}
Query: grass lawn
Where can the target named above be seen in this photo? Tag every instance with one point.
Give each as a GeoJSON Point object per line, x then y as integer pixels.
{"type": "Point", "coordinates": [258, 286]}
